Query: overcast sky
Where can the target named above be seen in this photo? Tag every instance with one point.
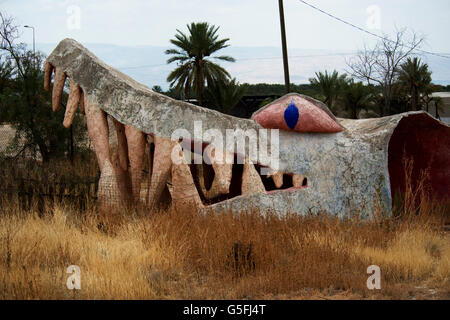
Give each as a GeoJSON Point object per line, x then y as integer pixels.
{"type": "Point", "coordinates": [245, 22]}
{"type": "Point", "coordinates": [316, 42]}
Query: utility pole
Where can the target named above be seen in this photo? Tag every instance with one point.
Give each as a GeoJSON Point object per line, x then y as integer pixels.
{"type": "Point", "coordinates": [34, 43]}
{"type": "Point", "coordinates": [34, 39]}
{"type": "Point", "coordinates": [284, 44]}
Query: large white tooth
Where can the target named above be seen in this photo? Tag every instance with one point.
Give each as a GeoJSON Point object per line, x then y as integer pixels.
{"type": "Point", "coordinates": [184, 193]}
{"type": "Point", "coordinates": [108, 193]}
{"type": "Point", "coordinates": [277, 178]}
{"type": "Point", "coordinates": [222, 169]}
{"type": "Point", "coordinates": [297, 180]}
{"type": "Point", "coordinates": [58, 87]}
{"type": "Point", "coordinates": [122, 145]}
{"type": "Point", "coordinates": [162, 163]}
{"type": "Point", "coordinates": [251, 181]}
{"type": "Point", "coordinates": [222, 174]}
{"type": "Point", "coordinates": [136, 143]}
{"type": "Point", "coordinates": [72, 103]}
{"type": "Point", "coordinates": [98, 130]}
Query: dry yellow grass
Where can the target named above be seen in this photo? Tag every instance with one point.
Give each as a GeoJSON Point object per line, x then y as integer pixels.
{"type": "Point", "coordinates": [185, 255]}
{"type": "Point", "coordinates": [412, 255]}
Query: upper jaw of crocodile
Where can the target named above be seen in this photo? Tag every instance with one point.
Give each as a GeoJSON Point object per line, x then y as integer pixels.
{"type": "Point", "coordinates": [140, 115]}
{"type": "Point", "coordinates": [132, 103]}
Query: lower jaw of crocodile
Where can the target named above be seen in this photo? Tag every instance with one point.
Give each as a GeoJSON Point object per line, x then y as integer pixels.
{"type": "Point", "coordinates": [267, 193]}
{"type": "Point", "coordinates": [243, 181]}
{"type": "Point", "coordinates": [265, 184]}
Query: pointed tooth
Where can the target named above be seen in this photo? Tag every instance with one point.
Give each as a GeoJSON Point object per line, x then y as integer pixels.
{"type": "Point", "coordinates": [98, 131]}
{"type": "Point", "coordinates": [108, 194]}
{"type": "Point", "coordinates": [112, 187]}
{"type": "Point", "coordinates": [58, 87]}
{"type": "Point", "coordinates": [122, 146]}
{"type": "Point", "coordinates": [223, 171]}
{"type": "Point", "coordinates": [162, 163]}
{"type": "Point", "coordinates": [184, 192]}
{"type": "Point", "coordinates": [251, 181]}
{"type": "Point", "coordinates": [222, 174]}
{"type": "Point", "coordinates": [48, 75]}
{"type": "Point", "coordinates": [151, 156]}
{"type": "Point", "coordinates": [297, 180]}
{"type": "Point", "coordinates": [72, 103]}
{"type": "Point", "coordinates": [106, 185]}
{"type": "Point", "coordinates": [277, 178]}
{"type": "Point", "coordinates": [136, 142]}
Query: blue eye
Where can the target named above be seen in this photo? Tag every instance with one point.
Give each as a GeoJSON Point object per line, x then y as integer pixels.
{"type": "Point", "coordinates": [291, 115]}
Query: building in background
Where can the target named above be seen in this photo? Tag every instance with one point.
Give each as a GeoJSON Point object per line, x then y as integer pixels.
{"type": "Point", "coordinates": [443, 111]}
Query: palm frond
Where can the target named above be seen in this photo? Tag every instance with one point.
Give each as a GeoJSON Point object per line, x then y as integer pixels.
{"type": "Point", "coordinates": [191, 49]}
{"type": "Point", "coordinates": [225, 58]}
{"type": "Point", "coordinates": [178, 58]}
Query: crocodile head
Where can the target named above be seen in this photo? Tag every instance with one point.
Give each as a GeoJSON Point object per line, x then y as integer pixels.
{"type": "Point", "coordinates": [299, 157]}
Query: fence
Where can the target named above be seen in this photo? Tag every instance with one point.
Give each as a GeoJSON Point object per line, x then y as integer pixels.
{"type": "Point", "coordinates": [26, 182]}
{"type": "Point", "coordinates": [29, 192]}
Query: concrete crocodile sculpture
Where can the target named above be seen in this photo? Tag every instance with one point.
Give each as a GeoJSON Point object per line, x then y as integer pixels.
{"type": "Point", "coordinates": [312, 162]}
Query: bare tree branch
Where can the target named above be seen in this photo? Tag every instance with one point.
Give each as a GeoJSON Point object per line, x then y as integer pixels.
{"type": "Point", "coordinates": [380, 64]}
{"type": "Point", "coordinates": [9, 33]}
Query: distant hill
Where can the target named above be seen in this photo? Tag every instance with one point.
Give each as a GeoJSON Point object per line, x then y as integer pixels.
{"type": "Point", "coordinates": [147, 64]}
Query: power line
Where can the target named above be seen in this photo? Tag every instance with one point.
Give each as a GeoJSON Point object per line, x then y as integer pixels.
{"type": "Point", "coordinates": [367, 31]}
{"type": "Point", "coordinates": [442, 55]}
{"type": "Point", "coordinates": [299, 56]}
{"type": "Point", "coordinates": [258, 58]}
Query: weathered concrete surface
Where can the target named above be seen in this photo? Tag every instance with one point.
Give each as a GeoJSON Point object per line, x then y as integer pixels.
{"type": "Point", "coordinates": [347, 172]}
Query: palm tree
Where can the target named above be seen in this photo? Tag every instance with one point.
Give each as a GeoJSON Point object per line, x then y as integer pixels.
{"type": "Point", "coordinates": [355, 97]}
{"type": "Point", "coordinates": [223, 95]}
{"type": "Point", "coordinates": [328, 85]}
{"type": "Point", "coordinates": [414, 75]}
{"type": "Point", "coordinates": [194, 66]}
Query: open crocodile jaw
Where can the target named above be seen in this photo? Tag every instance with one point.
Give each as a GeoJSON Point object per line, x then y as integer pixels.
{"type": "Point", "coordinates": [351, 171]}
{"type": "Point", "coordinates": [103, 92]}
